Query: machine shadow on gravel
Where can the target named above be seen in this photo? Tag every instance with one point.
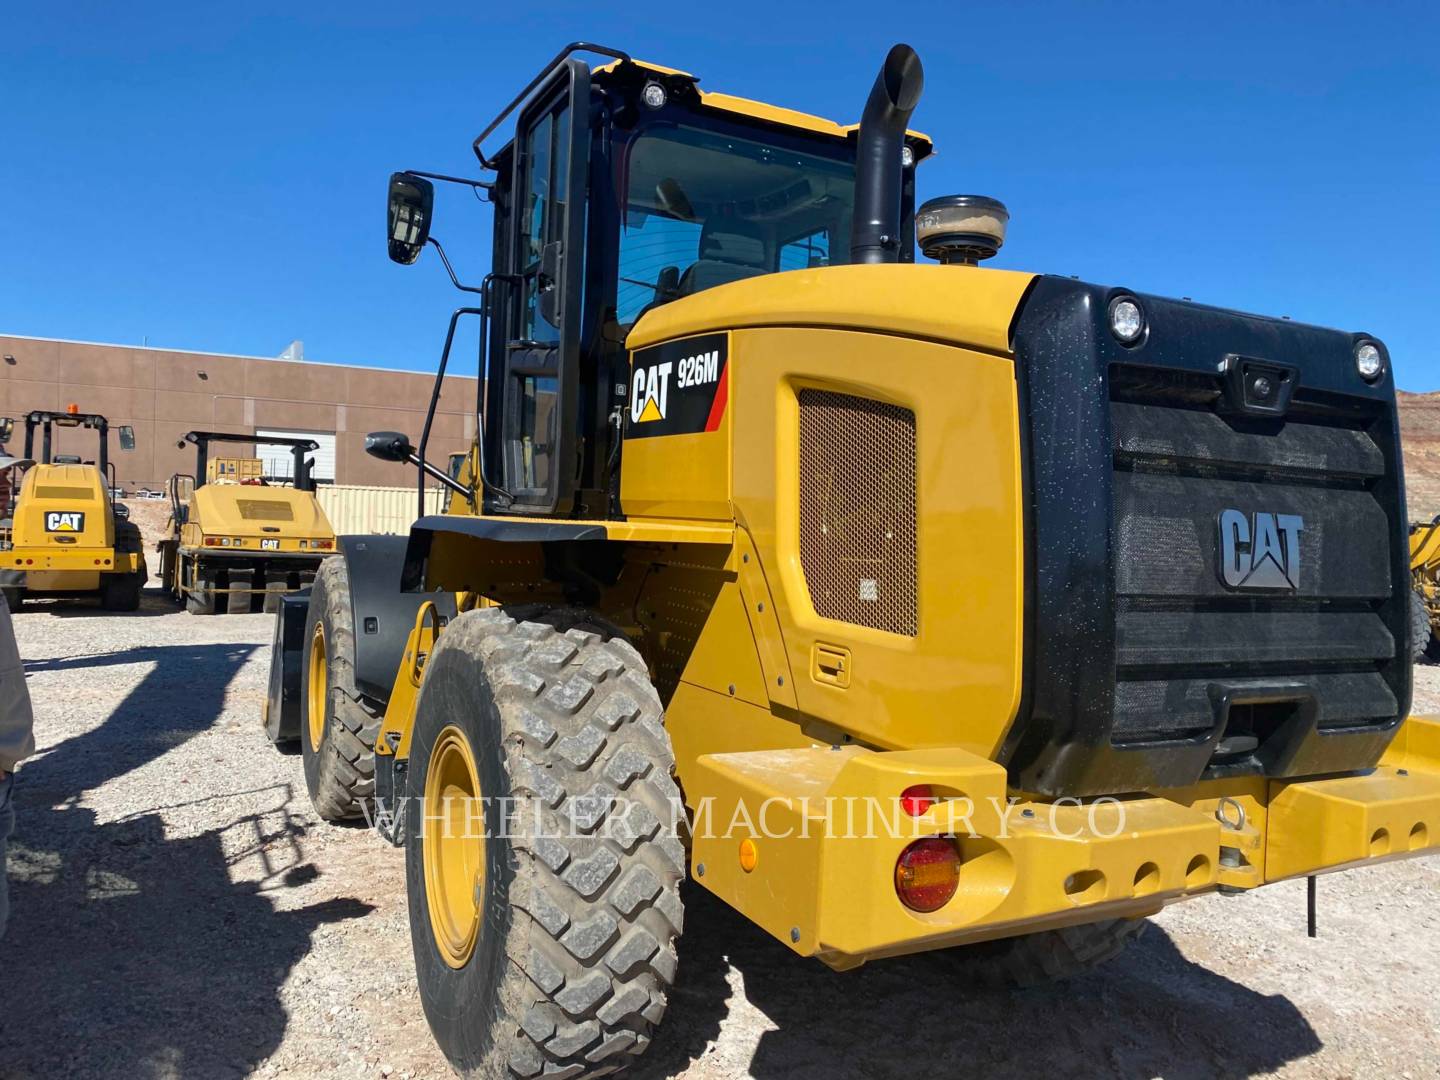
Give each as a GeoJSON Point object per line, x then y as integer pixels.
{"type": "Point", "coordinates": [1150, 1012]}
{"type": "Point", "coordinates": [153, 602]}
{"type": "Point", "coordinates": [143, 956]}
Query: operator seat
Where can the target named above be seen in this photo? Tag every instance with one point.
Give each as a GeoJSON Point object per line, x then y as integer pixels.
{"type": "Point", "coordinates": [731, 249]}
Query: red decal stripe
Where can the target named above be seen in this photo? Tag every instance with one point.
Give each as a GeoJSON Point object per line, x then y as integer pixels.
{"type": "Point", "coordinates": [722, 394]}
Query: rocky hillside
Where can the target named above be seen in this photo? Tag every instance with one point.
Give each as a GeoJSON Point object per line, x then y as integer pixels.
{"type": "Point", "coordinates": [1420, 432]}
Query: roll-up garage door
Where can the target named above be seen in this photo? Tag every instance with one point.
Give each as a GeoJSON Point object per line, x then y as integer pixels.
{"type": "Point", "coordinates": [279, 460]}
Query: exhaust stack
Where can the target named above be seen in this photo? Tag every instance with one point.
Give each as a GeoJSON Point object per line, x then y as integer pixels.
{"type": "Point", "coordinates": [875, 231]}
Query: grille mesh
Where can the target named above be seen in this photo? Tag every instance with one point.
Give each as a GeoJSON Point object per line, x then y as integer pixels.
{"type": "Point", "coordinates": [857, 510]}
{"type": "Point", "coordinates": [264, 510]}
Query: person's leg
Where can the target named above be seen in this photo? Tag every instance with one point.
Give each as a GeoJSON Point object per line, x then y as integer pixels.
{"type": "Point", "coordinates": [7, 822]}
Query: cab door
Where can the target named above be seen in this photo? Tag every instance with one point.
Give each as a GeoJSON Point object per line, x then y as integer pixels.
{"type": "Point", "coordinates": [539, 416]}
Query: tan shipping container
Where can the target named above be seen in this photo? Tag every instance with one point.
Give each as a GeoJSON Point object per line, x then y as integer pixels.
{"type": "Point", "coordinates": [374, 509]}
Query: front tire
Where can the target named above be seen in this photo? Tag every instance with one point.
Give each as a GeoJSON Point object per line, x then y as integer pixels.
{"type": "Point", "coordinates": [559, 958]}
{"type": "Point", "coordinates": [339, 725]}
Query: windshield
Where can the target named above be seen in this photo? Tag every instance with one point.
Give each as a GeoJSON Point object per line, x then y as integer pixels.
{"type": "Point", "coordinates": [704, 209]}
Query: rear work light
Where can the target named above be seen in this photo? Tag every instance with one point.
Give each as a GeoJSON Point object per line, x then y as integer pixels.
{"type": "Point", "coordinates": [927, 873]}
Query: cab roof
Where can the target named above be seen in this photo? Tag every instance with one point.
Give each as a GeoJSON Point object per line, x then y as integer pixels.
{"type": "Point", "coordinates": [760, 110]}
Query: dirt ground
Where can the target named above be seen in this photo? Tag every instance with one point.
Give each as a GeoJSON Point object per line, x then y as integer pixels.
{"type": "Point", "coordinates": [180, 912]}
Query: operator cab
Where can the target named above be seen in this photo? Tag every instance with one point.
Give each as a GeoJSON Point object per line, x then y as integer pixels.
{"type": "Point", "coordinates": [45, 424]}
{"type": "Point", "coordinates": [660, 192]}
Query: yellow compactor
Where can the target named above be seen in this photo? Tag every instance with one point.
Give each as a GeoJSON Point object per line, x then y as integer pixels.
{"type": "Point", "coordinates": [240, 540]}
{"type": "Point", "coordinates": [68, 536]}
{"type": "Point", "coordinates": [902, 607]}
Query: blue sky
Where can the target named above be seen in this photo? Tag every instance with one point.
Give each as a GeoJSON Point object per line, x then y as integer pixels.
{"type": "Point", "coordinates": [213, 180]}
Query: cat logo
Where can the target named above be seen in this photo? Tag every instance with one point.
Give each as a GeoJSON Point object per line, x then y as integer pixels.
{"type": "Point", "coordinates": [64, 521]}
{"type": "Point", "coordinates": [1260, 551]}
{"type": "Point", "coordinates": [678, 388]}
{"type": "Point", "coordinates": [650, 393]}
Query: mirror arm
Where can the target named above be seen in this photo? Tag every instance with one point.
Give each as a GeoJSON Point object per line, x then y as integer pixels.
{"type": "Point", "coordinates": [486, 186]}
{"type": "Point", "coordinates": [436, 473]}
{"type": "Point", "coordinates": [451, 270]}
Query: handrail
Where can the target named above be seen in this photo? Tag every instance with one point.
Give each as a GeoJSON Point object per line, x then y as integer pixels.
{"type": "Point", "coordinates": [435, 401]}
{"type": "Point", "coordinates": [520, 99]}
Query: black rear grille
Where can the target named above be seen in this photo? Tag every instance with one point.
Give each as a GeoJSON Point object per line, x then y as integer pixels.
{"type": "Point", "coordinates": [1153, 660]}
{"type": "Point", "coordinates": [1180, 628]}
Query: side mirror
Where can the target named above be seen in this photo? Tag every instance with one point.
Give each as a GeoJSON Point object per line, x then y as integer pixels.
{"type": "Point", "coordinates": [411, 200]}
{"type": "Point", "coordinates": [127, 437]}
{"type": "Point", "coordinates": [7, 428]}
{"type": "Point", "coordinates": [389, 446]}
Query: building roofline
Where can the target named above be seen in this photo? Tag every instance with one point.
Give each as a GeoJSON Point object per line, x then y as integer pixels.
{"type": "Point", "coordinates": [228, 356]}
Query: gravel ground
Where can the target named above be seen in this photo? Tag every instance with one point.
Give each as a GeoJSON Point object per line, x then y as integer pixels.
{"type": "Point", "coordinates": [179, 911]}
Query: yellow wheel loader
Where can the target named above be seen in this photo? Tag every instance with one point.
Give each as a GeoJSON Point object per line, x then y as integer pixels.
{"type": "Point", "coordinates": [67, 536]}
{"type": "Point", "coordinates": [1425, 586]}
{"type": "Point", "coordinates": [903, 607]}
{"type": "Point", "coordinates": [238, 540]}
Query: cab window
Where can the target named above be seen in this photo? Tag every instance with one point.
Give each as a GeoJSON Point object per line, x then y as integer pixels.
{"type": "Point", "coordinates": [543, 219]}
{"type": "Point", "coordinates": [703, 208]}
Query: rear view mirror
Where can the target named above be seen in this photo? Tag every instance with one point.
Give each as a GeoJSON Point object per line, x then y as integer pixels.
{"type": "Point", "coordinates": [408, 209]}
{"type": "Point", "coordinates": [389, 446]}
{"type": "Point", "coordinates": [7, 428]}
{"type": "Point", "coordinates": [127, 437]}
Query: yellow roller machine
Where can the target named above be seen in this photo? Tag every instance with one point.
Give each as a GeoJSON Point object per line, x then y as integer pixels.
{"type": "Point", "coordinates": [903, 607]}
{"type": "Point", "coordinates": [68, 536]}
{"type": "Point", "coordinates": [240, 540]}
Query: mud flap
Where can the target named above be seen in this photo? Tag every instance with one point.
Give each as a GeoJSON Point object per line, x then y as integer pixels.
{"type": "Point", "coordinates": [281, 711]}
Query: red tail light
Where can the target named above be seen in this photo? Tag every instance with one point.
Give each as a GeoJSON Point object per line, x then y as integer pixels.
{"type": "Point", "coordinates": [211, 541]}
{"type": "Point", "coordinates": [917, 800]}
{"type": "Point", "coordinates": [927, 873]}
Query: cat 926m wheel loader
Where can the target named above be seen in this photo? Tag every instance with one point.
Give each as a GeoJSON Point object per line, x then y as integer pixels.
{"type": "Point", "coordinates": [903, 607]}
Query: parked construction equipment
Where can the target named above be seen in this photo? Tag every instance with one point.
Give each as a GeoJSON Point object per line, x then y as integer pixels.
{"type": "Point", "coordinates": [239, 540]}
{"type": "Point", "coordinates": [68, 538]}
{"type": "Point", "coordinates": [1099, 597]}
{"type": "Point", "coordinates": [1425, 586]}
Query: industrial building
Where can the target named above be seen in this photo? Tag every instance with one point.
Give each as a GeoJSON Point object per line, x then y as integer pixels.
{"type": "Point", "coordinates": [163, 393]}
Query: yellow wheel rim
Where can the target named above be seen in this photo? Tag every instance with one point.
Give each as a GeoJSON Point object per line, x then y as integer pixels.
{"type": "Point", "coordinates": [318, 687]}
{"type": "Point", "coordinates": [453, 849]}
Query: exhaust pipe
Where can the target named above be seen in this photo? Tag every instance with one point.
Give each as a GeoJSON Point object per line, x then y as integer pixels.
{"type": "Point", "coordinates": [875, 229]}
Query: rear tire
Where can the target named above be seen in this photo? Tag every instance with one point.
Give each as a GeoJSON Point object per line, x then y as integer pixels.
{"type": "Point", "coordinates": [275, 590]}
{"type": "Point", "coordinates": [238, 603]}
{"type": "Point", "coordinates": [200, 597]}
{"type": "Point", "coordinates": [579, 906]}
{"type": "Point", "coordinates": [338, 725]}
{"type": "Point", "coordinates": [1421, 630]}
{"type": "Point", "coordinates": [121, 592]}
{"type": "Point", "coordinates": [14, 596]}
{"type": "Point", "coordinates": [1050, 955]}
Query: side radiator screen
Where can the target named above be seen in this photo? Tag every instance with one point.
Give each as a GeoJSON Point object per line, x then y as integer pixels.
{"type": "Point", "coordinates": [857, 509]}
